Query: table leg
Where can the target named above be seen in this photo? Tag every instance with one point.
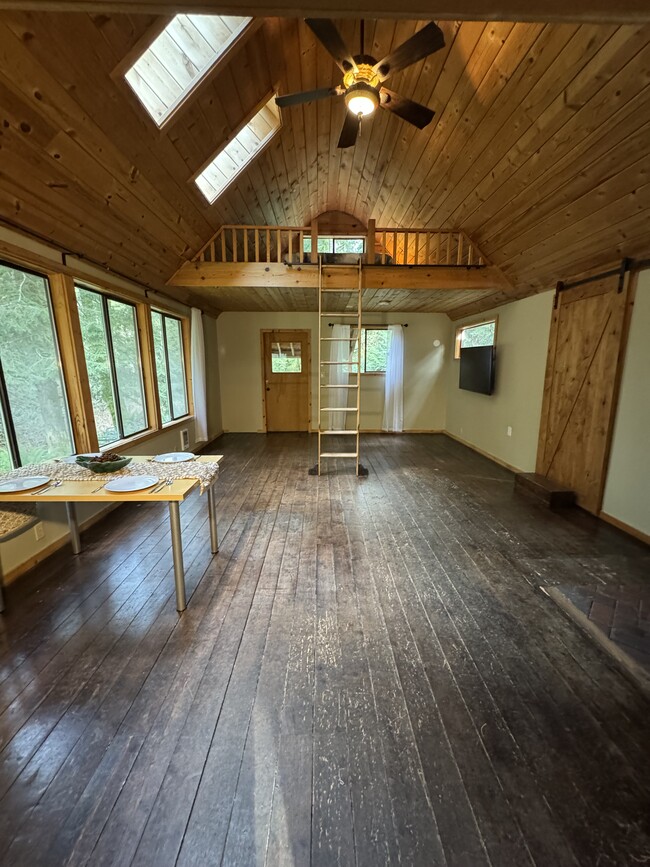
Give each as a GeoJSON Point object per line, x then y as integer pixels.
{"type": "Point", "coordinates": [212, 512]}
{"type": "Point", "coordinates": [75, 539]}
{"type": "Point", "coordinates": [177, 551]}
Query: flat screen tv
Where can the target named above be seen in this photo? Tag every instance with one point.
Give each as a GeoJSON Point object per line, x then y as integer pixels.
{"type": "Point", "coordinates": [477, 369]}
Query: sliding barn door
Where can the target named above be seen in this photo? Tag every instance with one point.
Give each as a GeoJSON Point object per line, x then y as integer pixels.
{"type": "Point", "coordinates": [582, 374]}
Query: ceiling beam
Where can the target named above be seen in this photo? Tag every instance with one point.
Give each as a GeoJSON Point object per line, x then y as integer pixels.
{"type": "Point", "coordinates": [398, 277]}
{"type": "Point", "coordinates": [604, 11]}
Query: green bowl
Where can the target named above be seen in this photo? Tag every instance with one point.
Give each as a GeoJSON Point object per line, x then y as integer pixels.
{"type": "Point", "coordinates": [103, 466]}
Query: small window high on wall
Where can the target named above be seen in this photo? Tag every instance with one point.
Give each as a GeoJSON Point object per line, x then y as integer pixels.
{"type": "Point", "coordinates": [477, 334]}
{"type": "Point", "coordinates": [170, 365]}
{"type": "Point", "coordinates": [179, 58]}
{"type": "Point", "coordinates": [34, 418]}
{"type": "Point", "coordinates": [110, 336]}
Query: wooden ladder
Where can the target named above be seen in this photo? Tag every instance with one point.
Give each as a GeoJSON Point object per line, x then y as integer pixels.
{"type": "Point", "coordinates": [324, 389]}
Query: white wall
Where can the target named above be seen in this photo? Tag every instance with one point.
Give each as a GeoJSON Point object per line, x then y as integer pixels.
{"type": "Point", "coordinates": [482, 420]}
{"type": "Point", "coordinates": [240, 365]}
{"type": "Point", "coordinates": [213, 386]}
{"type": "Point", "coordinates": [627, 492]}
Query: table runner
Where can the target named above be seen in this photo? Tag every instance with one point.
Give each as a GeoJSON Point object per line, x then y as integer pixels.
{"type": "Point", "coordinates": [204, 471]}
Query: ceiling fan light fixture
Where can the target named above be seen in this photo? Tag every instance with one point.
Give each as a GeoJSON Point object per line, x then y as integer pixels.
{"type": "Point", "coordinates": [362, 99]}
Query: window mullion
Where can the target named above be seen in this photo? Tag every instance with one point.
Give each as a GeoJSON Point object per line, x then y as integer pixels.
{"type": "Point", "coordinates": [169, 378]}
{"type": "Point", "coordinates": [73, 362]}
{"type": "Point", "coordinates": [12, 441]}
{"type": "Point", "coordinates": [111, 359]}
{"type": "Point", "coordinates": [148, 366]}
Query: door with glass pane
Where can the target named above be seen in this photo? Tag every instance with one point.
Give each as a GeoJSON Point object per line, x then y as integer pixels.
{"type": "Point", "coordinates": [286, 380]}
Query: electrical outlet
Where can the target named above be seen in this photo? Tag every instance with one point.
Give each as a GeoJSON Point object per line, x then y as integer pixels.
{"type": "Point", "coordinates": [185, 439]}
{"type": "Point", "coordinates": [509, 431]}
{"type": "Point", "coordinates": [39, 531]}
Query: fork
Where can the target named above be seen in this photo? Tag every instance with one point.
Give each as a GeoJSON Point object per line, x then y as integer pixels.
{"type": "Point", "coordinates": [46, 488]}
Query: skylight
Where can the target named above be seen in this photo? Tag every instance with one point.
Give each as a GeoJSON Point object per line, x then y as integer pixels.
{"type": "Point", "coordinates": [238, 153]}
{"type": "Point", "coordinates": [179, 58]}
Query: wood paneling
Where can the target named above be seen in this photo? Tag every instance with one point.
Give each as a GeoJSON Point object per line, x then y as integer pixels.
{"type": "Point", "coordinates": [537, 151]}
{"type": "Point", "coordinates": [480, 10]}
{"type": "Point", "coordinates": [586, 347]}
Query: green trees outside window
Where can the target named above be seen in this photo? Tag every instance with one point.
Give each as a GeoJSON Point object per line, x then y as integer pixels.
{"type": "Point", "coordinates": [110, 337]}
{"type": "Point", "coordinates": [34, 418]}
{"type": "Point", "coordinates": [170, 365]}
{"type": "Point", "coordinates": [374, 350]}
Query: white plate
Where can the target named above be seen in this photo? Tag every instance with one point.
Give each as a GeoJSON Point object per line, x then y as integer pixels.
{"type": "Point", "coordinates": [174, 457]}
{"type": "Point", "coordinates": [72, 459]}
{"type": "Point", "coordinates": [127, 484]}
{"type": "Point", "coordinates": [11, 486]}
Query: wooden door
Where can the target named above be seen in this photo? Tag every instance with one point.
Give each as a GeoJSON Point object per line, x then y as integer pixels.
{"type": "Point", "coordinates": [582, 375]}
{"type": "Point", "coordinates": [285, 365]}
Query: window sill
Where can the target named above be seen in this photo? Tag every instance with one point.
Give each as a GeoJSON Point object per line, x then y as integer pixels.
{"type": "Point", "coordinates": [144, 436]}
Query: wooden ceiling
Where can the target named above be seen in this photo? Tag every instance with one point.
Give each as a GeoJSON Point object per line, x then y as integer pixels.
{"type": "Point", "coordinates": [538, 150]}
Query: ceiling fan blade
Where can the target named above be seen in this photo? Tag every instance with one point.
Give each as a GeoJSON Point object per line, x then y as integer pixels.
{"type": "Point", "coordinates": [350, 130]}
{"type": "Point", "coordinates": [412, 112]}
{"type": "Point", "coordinates": [325, 30]}
{"type": "Point", "coordinates": [305, 96]}
{"type": "Point", "coordinates": [426, 41]}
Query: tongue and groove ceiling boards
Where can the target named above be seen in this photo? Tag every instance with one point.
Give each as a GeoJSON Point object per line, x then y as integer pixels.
{"type": "Point", "coordinates": [538, 150]}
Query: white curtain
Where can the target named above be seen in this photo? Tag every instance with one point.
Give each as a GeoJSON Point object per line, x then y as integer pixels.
{"type": "Point", "coordinates": [199, 389]}
{"type": "Point", "coordinates": [338, 375]}
{"type": "Point", "coordinates": [394, 385]}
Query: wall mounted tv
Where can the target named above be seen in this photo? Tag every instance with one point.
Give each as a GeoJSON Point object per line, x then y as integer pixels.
{"type": "Point", "coordinates": [477, 369]}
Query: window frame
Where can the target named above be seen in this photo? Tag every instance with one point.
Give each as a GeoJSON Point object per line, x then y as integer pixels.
{"type": "Point", "coordinates": [181, 322]}
{"type": "Point", "coordinates": [461, 328]}
{"type": "Point", "coordinates": [106, 297]}
{"type": "Point", "coordinates": [334, 239]}
{"type": "Point", "coordinates": [365, 343]}
{"type": "Point", "coordinates": [13, 446]}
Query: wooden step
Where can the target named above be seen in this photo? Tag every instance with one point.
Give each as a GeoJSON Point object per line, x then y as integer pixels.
{"type": "Point", "coordinates": [544, 490]}
{"type": "Point", "coordinates": [339, 454]}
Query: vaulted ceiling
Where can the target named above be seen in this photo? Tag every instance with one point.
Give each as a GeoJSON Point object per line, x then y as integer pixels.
{"type": "Point", "coordinates": [538, 150]}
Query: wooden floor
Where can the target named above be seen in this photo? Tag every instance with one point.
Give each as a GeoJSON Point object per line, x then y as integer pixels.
{"type": "Point", "coordinates": [365, 674]}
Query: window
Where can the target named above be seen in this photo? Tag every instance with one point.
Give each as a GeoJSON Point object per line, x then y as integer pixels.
{"type": "Point", "coordinates": [34, 418]}
{"type": "Point", "coordinates": [239, 152]}
{"type": "Point", "coordinates": [286, 357]}
{"type": "Point", "coordinates": [479, 334]}
{"type": "Point", "coordinates": [336, 245]}
{"type": "Point", "coordinates": [110, 336]}
{"type": "Point", "coordinates": [374, 346]}
{"type": "Point", "coordinates": [170, 365]}
{"type": "Point", "coordinates": [178, 59]}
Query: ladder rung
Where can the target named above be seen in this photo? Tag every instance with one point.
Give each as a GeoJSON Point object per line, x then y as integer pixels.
{"type": "Point", "coordinates": [339, 386]}
{"type": "Point", "coordinates": [339, 339]}
{"type": "Point", "coordinates": [339, 454]}
{"type": "Point", "coordinates": [347, 363]}
{"type": "Point", "coordinates": [338, 433]}
{"type": "Point", "coordinates": [356, 289]}
{"type": "Point", "coordinates": [339, 408]}
{"type": "Point", "coordinates": [345, 315]}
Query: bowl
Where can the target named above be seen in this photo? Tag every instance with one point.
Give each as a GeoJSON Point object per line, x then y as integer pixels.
{"type": "Point", "coordinates": [102, 466]}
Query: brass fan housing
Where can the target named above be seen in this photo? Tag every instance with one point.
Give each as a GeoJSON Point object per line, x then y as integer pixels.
{"type": "Point", "coordinates": [364, 74]}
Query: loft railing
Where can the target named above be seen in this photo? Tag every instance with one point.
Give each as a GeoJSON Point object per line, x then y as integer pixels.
{"type": "Point", "coordinates": [266, 244]}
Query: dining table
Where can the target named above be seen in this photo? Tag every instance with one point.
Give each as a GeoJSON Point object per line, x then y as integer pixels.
{"type": "Point", "coordinates": [176, 483]}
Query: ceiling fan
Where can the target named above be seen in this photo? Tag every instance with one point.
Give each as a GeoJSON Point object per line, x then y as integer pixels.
{"type": "Point", "coordinates": [363, 78]}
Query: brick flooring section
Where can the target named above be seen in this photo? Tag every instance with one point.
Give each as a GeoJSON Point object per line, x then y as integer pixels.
{"type": "Point", "coordinates": [621, 614]}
